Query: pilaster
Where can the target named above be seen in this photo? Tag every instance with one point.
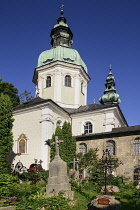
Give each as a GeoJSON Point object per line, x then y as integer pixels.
{"type": "Point", "coordinates": [109, 121]}
{"type": "Point", "coordinates": [39, 87]}
{"type": "Point", "coordinates": [57, 85]}
{"type": "Point", "coordinates": [47, 124]}
{"type": "Point", "coordinates": [77, 90]}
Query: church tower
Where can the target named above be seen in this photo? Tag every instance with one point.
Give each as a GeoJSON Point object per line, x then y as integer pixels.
{"type": "Point", "coordinates": [110, 96]}
{"type": "Point", "coordinates": [61, 74]}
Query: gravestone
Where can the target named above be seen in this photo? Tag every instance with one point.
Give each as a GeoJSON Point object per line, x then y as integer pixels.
{"type": "Point", "coordinates": [127, 175]}
{"type": "Point", "coordinates": [104, 202]}
{"type": "Point", "coordinates": [58, 178]}
{"type": "Point", "coordinates": [75, 170]}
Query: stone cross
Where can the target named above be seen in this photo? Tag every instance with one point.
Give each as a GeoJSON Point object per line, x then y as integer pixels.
{"type": "Point", "coordinates": [74, 163]}
{"type": "Point", "coordinates": [56, 143]}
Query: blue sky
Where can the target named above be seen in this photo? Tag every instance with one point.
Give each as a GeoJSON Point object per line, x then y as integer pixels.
{"type": "Point", "coordinates": [105, 32]}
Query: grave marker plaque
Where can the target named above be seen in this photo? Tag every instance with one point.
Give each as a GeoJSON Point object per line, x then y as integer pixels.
{"type": "Point", "coordinates": [103, 201]}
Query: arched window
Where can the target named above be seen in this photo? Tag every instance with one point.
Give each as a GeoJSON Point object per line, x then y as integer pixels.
{"type": "Point", "coordinates": [88, 127]}
{"type": "Point", "coordinates": [22, 144]}
{"type": "Point", "coordinates": [136, 146]}
{"type": "Point", "coordinates": [82, 87]}
{"type": "Point", "coordinates": [110, 145]}
{"type": "Point", "coordinates": [137, 174]}
{"type": "Point", "coordinates": [68, 81]}
{"type": "Point", "coordinates": [48, 81]}
{"type": "Point", "coordinates": [59, 123]}
{"type": "Point", "coordinates": [82, 148]}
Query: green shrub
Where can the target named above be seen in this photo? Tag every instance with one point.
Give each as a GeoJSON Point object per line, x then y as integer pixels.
{"type": "Point", "coordinates": [129, 197]}
{"type": "Point", "coordinates": [39, 200]}
{"type": "Point", "coordinates": [24, 176]}
{"type": "Point", "coordinates": [7, 183]}
{"type": "Point", "coordinates": [44, 175]}
{"type": "Point", "coordinates": [117, 181]}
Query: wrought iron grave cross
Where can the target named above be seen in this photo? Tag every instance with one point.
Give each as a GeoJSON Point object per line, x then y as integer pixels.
{"type": "Point", "coordinates": [107, 165]}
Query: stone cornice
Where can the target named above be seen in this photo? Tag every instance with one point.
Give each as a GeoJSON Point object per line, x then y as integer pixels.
{"type": "Point", "coordinates": [39, 106]}
{"type": "Point", "coordinates": [116, 132]}
{"type": "Point", "coordinates": [60, 64]}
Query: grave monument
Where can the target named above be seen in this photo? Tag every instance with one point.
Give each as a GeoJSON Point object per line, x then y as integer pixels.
{"type": "Point", "coordinates": [106, 201]}
{"type": "Point", "coordinates": [58, 178]}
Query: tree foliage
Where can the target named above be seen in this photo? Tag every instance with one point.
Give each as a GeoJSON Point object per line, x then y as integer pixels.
{"type": "Point", "coordinates": [94, 166]}
{"type": "Point", "coordinates": [25, 96]}
{"type": "Point", "coordinates": [67, 149]}
{"type": "Point", "coordinates": [88, 159]}
{"type": "Point", "coordinates": [6, 137]}
{"type": "Point", "coordinates": [11, 91]}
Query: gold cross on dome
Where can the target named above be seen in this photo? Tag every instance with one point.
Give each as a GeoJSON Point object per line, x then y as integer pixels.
{"type": "Point", "coordinates": [62, 10]}
{"type": "Point", "coordinates": [62, 6]}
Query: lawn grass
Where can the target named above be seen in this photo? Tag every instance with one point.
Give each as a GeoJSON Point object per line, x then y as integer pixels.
{"type": "Point", "coordinates": [34, 195]}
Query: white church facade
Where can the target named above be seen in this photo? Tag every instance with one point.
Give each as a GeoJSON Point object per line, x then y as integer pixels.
{"type": "Point", "coordinates": [61, 79]}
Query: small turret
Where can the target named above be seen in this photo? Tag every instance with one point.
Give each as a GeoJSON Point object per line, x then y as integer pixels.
{"type": "Point", "coordinates": [61, 34]}
{"type": "Point", "coordinates": [110, 96]}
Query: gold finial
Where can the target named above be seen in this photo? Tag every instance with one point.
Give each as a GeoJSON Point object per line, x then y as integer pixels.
{"type": "Point", "coordinates": [62, 10]}
{"type": "Point", "coordinates": [94, 100]}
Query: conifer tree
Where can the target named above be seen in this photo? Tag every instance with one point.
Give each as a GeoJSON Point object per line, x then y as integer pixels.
{"type": "Point", "coordinates": [6, 137]}
{"type": "Point", "coordinates": [67, 149]}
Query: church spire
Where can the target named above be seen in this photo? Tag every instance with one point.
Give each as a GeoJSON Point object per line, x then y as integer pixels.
{"type": "Point", "coordinates": [61, 34]}
{"type": "Point", "coordinates": [110, 96]}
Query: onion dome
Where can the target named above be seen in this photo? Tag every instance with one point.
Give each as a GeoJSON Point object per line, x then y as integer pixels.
{"type": "Point", "coordinates": [61, 41]}
{"type": "Point", "coordinates": [110, 96]}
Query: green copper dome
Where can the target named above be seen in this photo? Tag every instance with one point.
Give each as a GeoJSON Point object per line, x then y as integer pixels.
{"type": "Point", "coordinates": [61, 53]}
{"type": "Point", "coordinates": [110, 96]}
{"type": "Point", "coordinates": [61, 41]}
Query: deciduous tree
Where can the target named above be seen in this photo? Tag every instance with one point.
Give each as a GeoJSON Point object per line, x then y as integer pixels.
{"type": "Point", "coordinates": [25, 96]}
{"type": "Point", "coordinates": [9, 89]}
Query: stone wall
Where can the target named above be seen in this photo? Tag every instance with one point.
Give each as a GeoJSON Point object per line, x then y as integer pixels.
{"type": "Point", "coordinates": [123, 150]}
